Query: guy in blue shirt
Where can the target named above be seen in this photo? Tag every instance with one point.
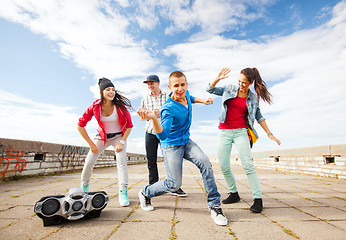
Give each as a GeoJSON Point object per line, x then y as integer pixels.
{"type": "Point", "coordinates": [174, 133]}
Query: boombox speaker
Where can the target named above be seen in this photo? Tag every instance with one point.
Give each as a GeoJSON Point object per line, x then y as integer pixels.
{"type": "Point", "coordinates": [73, 205]}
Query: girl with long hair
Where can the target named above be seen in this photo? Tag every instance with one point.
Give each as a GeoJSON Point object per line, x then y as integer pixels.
{"type": "Point", "coordinates": [240, 107]}
{"type": "Point", "coordinates": [115, 124]}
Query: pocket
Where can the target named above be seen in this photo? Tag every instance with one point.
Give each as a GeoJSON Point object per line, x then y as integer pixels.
{"type": "Point", "coordinates": [97, 137]}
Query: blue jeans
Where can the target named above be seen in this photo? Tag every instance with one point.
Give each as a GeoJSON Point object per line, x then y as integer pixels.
{"type": "Point", "coordinates": [241, 141]}
{"type": "Point", "coordinates": [151, 145]}
{"type": "Point", "coordinates": [173, 157]}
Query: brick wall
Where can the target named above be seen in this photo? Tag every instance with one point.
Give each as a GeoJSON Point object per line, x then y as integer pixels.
{"type": "Point", "coordinates": [21, 158]}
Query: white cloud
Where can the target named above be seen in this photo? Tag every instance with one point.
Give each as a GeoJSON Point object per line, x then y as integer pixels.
{"type": "Point", "coordinates": [136, 145]}
{"type": "Point", "coordinates": [22, 118]}
{"type": "Point", "coordinates": [211, 17]}
{"type": "Point", "coordinates": [203, 133]}
{"type": "Point", "coordinates": [296, 17]}
{"type": "Point", "coordinates": [123, 3]}
{"type": "Point", "coordinates": [92, 34]}
{"type": "Point", "coordinates": [307, 71]}
{"type": "Point", "coordinates": [147, 16]}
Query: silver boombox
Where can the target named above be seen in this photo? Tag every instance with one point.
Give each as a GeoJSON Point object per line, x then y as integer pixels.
{"type": "Point", "coordinates": [73, 205]}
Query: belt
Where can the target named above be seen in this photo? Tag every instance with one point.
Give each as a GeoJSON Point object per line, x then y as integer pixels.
{"type": "Point", "coordinates": [112, 135]}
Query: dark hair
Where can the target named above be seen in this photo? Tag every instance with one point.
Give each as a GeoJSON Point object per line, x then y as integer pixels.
{"type": "Point", "coordinates": [119, 100]}
{"type": "Point", "coordinates": [253, 75]}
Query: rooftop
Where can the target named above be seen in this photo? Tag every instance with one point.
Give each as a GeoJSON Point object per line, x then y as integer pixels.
{"type": "Point", "coordinates": [296, 206]}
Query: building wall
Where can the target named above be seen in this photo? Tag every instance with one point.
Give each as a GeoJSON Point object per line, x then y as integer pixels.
{"type": "Point", "coordinates": [326, 161]}
{"type": "Point", "coordinates": [21, 158]}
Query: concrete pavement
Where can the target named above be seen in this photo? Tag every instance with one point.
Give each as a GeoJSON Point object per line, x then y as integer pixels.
{"type": "Point", "coordinates": [295, 207]}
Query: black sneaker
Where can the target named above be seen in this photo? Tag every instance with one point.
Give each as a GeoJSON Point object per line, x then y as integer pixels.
{"type": "Point", "coordinates": [257, 206]}
{"type": "Point", "coordinates": [179, 193]}
{"type": "Point", "coordinates": [232, 198]}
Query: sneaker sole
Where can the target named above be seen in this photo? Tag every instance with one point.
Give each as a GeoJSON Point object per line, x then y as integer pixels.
{"type": "Point", "coordinates": [220, 224]}
{"type": "Point", "coordinates": [178, 195]}
{"type": "Point", "coordinates": [124, 205]}
{"type": "Point", "coordinates": [255, 210]}
{"type": "Point", "coordinates": [229, 202]}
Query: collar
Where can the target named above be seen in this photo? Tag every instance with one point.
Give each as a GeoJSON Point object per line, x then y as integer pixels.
{"type": "Point", "coordinates": [151, 94]}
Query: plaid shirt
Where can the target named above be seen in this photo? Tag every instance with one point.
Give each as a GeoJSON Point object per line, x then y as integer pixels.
{"type": "Point", "coordinates": [149, 102]}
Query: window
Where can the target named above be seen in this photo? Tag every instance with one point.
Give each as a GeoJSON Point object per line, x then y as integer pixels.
{"type": "Point", "coordinates": [39, 157]}
{"type": "Point", "coordinates": [276, 158]}
{"type": "Point", "coordinates": [329, 159]}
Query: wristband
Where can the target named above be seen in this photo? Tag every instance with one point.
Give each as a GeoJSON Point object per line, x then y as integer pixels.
{"type": "Point", "coordinates": [122, 142]}
{"type": "Point", "coordinates": [269, 134]}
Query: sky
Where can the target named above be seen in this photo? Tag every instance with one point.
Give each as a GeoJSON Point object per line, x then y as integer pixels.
{"type": "Point", "coordinates": [52, 54]}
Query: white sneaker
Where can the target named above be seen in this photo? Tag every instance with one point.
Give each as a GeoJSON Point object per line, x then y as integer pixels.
{"type": "Point", "coordinates": [217, 215]}
{"type": "Point", "coordinates": [145, 202]}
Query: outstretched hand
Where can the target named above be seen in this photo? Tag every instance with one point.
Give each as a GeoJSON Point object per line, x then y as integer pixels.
{"type": "Point", "coordinates": [145, 114]}
{"type": "Point", "coordinates": [223, 74]}
{"type": "Point", "coordinates": [208, 101]}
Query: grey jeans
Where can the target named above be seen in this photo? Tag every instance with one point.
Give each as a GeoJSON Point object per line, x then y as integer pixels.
{"type": "Point", "coordinates": [121, 158]}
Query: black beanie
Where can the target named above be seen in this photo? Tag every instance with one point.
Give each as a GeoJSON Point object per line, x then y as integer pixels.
{"type": "Point", "coordinates": [105, 83]}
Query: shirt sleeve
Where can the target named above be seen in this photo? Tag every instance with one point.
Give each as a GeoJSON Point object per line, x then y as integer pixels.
{"type": "Point", "coordinates": [128, 119]}
{"type": "Point", "coordinates": [258, 115]}
{"type": "Point", "coordinates": [215, 90]}
{"type": "Point", "coordinates": [86, 117]}
{"type": "Point", "coordinates": [166, 123]}
{"type": "Point", "coordinates": [192, 99]}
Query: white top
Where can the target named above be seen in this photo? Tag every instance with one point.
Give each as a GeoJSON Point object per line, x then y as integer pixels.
{"type": "Point", "coordinates": [111, 123]}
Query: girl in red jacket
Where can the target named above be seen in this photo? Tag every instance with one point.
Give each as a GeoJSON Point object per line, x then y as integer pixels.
{"type": "Point", "coordinates": [115, 126]}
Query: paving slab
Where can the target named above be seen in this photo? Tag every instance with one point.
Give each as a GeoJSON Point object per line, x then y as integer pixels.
{"type": "Point", "coordinates": [296, 206]}
{"type": "Point", "coordinates": [200, 231]}
{"type": "Point", "coordinates": [143, 230]}
{"type": "Point", "coordinates": [85, 230]}
{"type": "Point", "coordinates": [312, 230]}
{"type": "Point", "coordinates": [259, 231]}
{"type": "Point", "coordinates": [325, 213]}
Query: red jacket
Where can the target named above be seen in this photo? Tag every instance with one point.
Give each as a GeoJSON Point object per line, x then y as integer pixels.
{"type": "Point", "coordinates": [95, 110]}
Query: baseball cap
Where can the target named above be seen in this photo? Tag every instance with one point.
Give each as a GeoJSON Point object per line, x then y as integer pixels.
{"type": "Point", "coordinates": [152, 78]}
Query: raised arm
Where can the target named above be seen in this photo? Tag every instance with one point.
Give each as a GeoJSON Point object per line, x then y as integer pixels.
{"type": "Point", "coordinates": [222, 75]}
{"type": "Point", "coordinates": [218, 90]}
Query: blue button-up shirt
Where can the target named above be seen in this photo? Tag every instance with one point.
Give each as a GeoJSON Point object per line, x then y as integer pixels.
{"type": "Point", "coordinates": [176, 122]}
